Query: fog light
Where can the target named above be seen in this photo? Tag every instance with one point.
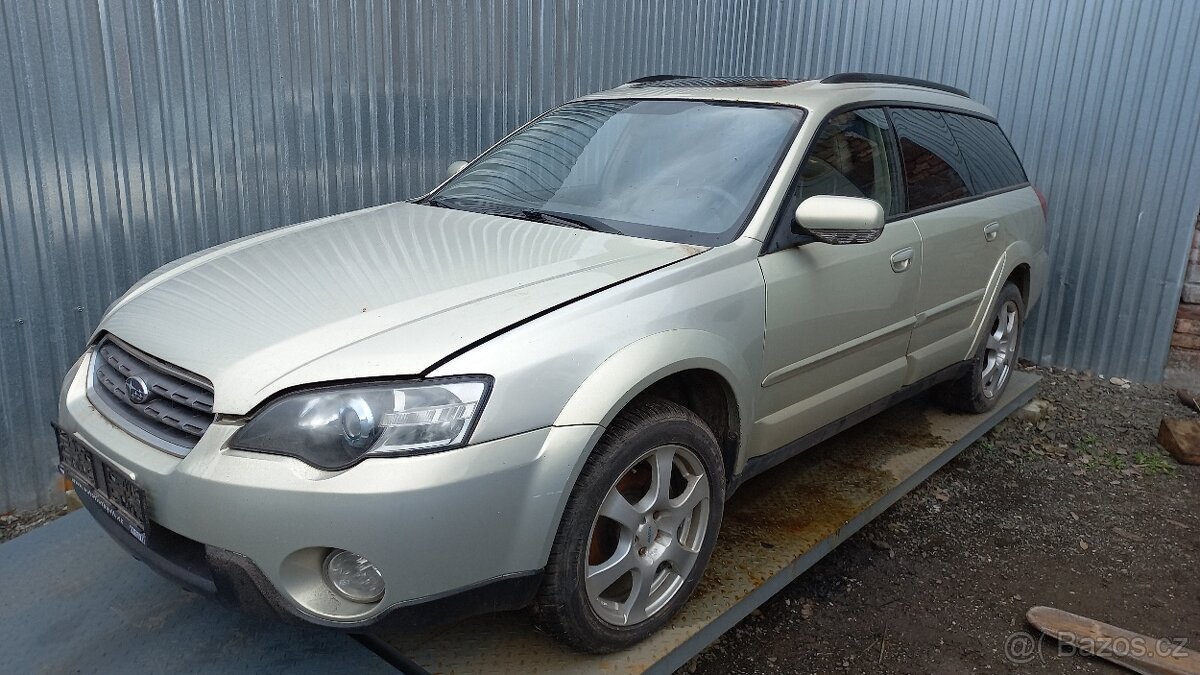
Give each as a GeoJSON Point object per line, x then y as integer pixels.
{"type": "Point", "coordinates": [353, 576]}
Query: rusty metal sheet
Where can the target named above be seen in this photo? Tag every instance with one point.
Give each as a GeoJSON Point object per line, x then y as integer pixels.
{"type": "Point", "coordinates": [776, 526]}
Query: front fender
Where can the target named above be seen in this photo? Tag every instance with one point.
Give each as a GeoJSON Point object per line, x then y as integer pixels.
{"type": "Point", "coordinates": [634, 368]}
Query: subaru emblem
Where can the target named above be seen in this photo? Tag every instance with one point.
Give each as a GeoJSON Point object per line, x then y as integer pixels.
{"type": "Point", "coordinates": [137, 390]}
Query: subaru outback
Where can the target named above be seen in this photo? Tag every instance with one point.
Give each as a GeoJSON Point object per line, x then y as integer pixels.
{"type": "Point", "coordinates": [538, 384]}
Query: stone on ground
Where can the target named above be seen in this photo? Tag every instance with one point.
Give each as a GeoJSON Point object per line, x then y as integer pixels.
{"type": "Point", "coordinates": [1033, 412]}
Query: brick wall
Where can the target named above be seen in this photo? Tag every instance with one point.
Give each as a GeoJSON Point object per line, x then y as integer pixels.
{"type": "Point", "coordinates": [1187, 321]}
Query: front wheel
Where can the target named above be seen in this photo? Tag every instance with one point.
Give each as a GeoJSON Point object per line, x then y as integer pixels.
{"type": "Point", "coordinates": [982, 384]}
{"type": "Point", "coordinates": [637, 531]}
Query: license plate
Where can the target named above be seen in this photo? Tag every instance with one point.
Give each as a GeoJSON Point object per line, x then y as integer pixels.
{"type": "Point", "coordinates": [120, 497]}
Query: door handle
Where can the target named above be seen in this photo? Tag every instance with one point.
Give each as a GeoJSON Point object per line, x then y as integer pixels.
{"type": "Point", "coordinates": [990, 231]}
{"type": "Point", "coordinates": [900, 259]}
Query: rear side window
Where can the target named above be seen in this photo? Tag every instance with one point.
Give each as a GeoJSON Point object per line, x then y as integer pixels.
{"type": "Point", "coordinates": [990, 157]}
{"type": "Point", "coordinates": [934, 171]}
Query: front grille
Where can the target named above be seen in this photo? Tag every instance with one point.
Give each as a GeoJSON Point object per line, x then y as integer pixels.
{"type": "Point", "coordinates": [166, 406]}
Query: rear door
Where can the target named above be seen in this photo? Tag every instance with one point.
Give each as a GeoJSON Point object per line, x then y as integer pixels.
{"type": "Point", "coordinates": [838, 317]}
{"type": "Point", "coordinates": [958, 237]}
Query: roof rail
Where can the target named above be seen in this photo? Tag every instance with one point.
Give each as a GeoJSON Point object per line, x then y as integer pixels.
{"type": "Point", "coordinates": [877, 78]}
{"type": "Point", "coordinates": [658, 78]}
{"type": "Point", "coordinates": [751, 82]}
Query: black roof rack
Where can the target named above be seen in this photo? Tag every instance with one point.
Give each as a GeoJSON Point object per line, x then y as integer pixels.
{"type": "Point", "coordinates": [658, 78]}
{"type": "Point", "coordinates": [877, 78]}
{"type": "Point", "coordinates": [694, 81]}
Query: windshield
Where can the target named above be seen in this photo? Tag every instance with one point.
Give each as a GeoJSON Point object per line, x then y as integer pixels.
{"type": "Point", "coordinates": [683, 171]}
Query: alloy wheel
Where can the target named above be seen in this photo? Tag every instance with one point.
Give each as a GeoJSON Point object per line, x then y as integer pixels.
{"type": "Point", "coordinates": [1001, 349]}
{"type": "Point", "coordinates": [647, 535]}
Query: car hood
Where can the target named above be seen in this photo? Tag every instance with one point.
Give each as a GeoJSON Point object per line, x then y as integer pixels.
{"type": "Point", "coordinates": [387, 291]}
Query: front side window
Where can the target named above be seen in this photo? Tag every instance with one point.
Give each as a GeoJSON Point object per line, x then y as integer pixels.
{"type": "Point", "coordinates": [934, 171]}
{"type": "Point", "coordinates": [849, 158]}
{"type": "Point", "coordinates": [681, 170]}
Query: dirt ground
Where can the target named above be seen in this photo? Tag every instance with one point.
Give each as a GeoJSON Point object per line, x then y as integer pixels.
{"type": "Point", "coordinates": [1083, 512]}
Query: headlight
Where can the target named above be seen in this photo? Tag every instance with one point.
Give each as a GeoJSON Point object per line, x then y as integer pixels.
{"type": "Point", "coordinates": [335, 427]}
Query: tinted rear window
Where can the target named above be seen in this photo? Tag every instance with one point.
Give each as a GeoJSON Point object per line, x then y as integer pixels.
{"type": "Point", "coordinates": [934, 171]}
{"type": "Point", "coordinates": [990, 157]}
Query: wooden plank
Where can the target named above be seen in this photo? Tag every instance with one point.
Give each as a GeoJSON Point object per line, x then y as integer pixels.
{"type": "Point", "coordinates": [1137, 652]}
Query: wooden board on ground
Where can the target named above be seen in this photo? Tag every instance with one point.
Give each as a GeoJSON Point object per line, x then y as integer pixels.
{"type": "Point", "coordinates": [1137, 652]}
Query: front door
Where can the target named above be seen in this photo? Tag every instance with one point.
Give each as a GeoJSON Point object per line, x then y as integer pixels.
{"type": "Point", "coordinates": [838, 318]}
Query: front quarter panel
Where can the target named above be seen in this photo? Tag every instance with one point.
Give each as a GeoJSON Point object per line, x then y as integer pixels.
{"type": "Point", "coordinates": [637, 366]}
{"type": "Point", "coordinates": [581, 363]}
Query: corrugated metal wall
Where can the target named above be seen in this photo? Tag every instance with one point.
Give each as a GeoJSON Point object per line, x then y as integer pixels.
{"type": "Point", "coordinates": [133, 132]}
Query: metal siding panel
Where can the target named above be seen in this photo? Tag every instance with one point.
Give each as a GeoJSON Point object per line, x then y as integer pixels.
{"type": "Point", "coordinates": [137, 132]}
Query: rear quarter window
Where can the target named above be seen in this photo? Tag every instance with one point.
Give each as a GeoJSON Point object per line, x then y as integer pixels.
{"type": "Point", "coordinates": [990, 157]}
{"type": "Point", "coordinates": [934, 170]}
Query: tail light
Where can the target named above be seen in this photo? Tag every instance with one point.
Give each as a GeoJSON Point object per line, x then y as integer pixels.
{"type": "Point", "coordinates": [1045, 204]}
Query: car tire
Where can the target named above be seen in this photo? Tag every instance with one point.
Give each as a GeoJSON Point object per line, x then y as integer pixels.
{"type": "Point", "coordinates": [661, 543]}
{"type": "Point", "coordinates": [984, 380]}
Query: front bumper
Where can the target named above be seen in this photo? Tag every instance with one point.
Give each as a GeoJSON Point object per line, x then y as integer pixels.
{"type": "Point", "coordinates": [468, 529]}
{"type": "Point", "coordinates": [236, 581]}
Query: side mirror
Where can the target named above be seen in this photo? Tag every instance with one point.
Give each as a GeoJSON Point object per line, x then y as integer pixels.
{"type": "Point", "coordinates": [455, 167]}
{"type": "Point", "coordinates": [839, 220]}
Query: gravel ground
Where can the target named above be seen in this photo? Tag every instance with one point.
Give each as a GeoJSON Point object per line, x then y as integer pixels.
{"type": "Point", "coordinates": [17, 523]}
{"type": "Point", "coordinates": [1083, 512]}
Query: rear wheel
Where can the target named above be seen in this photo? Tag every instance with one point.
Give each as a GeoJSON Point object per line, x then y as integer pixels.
{"type": "Point", "coordinates": [978, 389]}
{"type": "Point", "coordinates": [637, 532]}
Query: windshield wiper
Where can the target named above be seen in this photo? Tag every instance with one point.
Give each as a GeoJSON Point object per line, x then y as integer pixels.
{"type": "Point", "coordinates": [569, 220]}
{"type": "Point", "coordinates": [440, 203]}
{"type": "Point", "coordinates": [536, 215]}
